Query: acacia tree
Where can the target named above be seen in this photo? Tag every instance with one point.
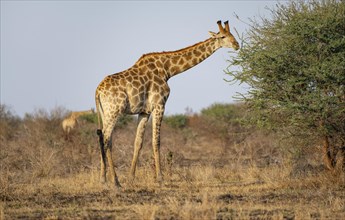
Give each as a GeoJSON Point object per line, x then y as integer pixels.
{"type": "Point", "coordinates": [294, 63]}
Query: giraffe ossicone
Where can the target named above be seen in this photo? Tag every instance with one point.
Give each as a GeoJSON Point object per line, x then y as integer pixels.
{"type": "Point", "coordinates": [143, 89]}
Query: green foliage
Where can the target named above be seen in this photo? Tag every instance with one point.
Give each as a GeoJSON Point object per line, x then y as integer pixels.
{"type": "Point", "coordinates": [294, 63]}
{"type": "Point", "coordinates": [122, 122]}
{"type": "Point", "coordinates": [227, 113]}
{"type": "Point", "coordinates": [224, 121]}
{"type": "Point", "coordinates": [176, 121]}
{"type": "Point", "coordinates": [91, 118]}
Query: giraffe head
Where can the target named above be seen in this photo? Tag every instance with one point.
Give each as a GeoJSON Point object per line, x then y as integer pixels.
{"type": "Point", "coordinates": [224, 37]}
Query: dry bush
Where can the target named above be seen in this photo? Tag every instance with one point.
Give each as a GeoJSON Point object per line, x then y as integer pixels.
{"type": "Point", "coordinates": [45, 176]}
{"type": "Point", "coordinates": [39, 150]}
{"type": "Point", "coordinates": [9, 123]}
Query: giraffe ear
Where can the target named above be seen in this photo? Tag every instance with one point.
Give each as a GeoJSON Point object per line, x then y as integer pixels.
{"type": "Point", "coordinates": [213, 35]}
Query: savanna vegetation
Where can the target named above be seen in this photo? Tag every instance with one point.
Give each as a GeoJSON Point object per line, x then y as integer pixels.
{"type": "Point", "coordinates": [294, 63]}
{"type": "Point", "coordinates": [214, 168]}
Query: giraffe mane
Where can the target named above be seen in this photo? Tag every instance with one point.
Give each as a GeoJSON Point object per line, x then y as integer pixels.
{"type": "Point", "coordinates": [172, 52]}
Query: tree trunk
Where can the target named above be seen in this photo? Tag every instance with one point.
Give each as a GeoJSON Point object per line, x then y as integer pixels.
{"type": "Point", "coordinates": [333, 155]}
{"type": "Point", "coordinates": [328, 154]}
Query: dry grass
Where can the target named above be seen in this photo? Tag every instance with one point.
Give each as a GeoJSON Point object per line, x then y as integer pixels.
{"type": "Point", "coordinates": [199, 193]}
{"type": "Point", "coordinates": [44, 176]}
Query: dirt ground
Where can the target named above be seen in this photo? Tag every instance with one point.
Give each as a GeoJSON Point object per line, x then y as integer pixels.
{"type": "Point", "coordinates": [194, 192]}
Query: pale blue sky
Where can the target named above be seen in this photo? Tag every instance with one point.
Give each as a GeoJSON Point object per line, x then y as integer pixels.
{"type": "Point", "coordinates": [55, 53]}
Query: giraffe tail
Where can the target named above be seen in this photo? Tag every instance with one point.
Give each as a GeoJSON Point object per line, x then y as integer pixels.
{"type": "Point", "coordinates": [99, 110]}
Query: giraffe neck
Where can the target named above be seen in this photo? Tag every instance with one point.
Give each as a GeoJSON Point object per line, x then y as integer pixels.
{"type": "Point", "coordinates": [191, 56]}
{"type": "Point", "coordinates": [178, 61]}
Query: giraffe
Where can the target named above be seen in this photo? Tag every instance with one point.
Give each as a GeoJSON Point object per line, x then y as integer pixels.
{"type": "Point", "coordinates": [143, 89]}
{"type": "Point", "coordinates": [69, 123]}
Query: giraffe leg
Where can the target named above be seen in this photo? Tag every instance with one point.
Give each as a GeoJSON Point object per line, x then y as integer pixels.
{"type": "Point", "coordinates": [114, 178]}
{"type": "Point", "coordinates": [103, 168]}
{"type": "Point", "coordinates": [68, 130]}
{"type": "Point", "coordinates": [156, 126]}
{"type": "Point", "coordinates": [142, 121]}
{"type": "Point", "coordinates": [108, 143]}
{"type": "Point", "coordinates": [106, 154]}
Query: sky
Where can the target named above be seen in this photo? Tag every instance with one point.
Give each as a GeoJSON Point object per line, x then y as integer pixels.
{"type": "Point", "coordinates": [55, 53]}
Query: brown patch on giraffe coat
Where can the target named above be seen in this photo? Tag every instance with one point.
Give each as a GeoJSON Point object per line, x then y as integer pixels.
{"type": "Point", "coordinates": [140, 62]}
{"type": "Point", "coordinates": [114, 90]}
{"type": "Point", "coordinates": [145, 78]}
{"type": "Point", "coordinates": [123, 82]}
{"type": "Point", "coordinates": [135, 83]}
{"type": "Point", "coordinates": [129, 78]}
{"type": "Point", "coordinates": [197, 53]}
{"type": "Point", "coordinates": [157, 80]}
{"type": "Point", "coordinates": [142, 80]}
{"type": "Point", "coordinates": [159, 64]}
{"type": "Point", "coordinates": [167, 64]}
{"type": "Point", "coordinates": [107, 86]}
{"type": "Point", "coordinates": [141, 88]}
{"type": "Point", "coordinates": [155, 87]}
{"type": "Point", "coordinates": [186, 66]}
{"type": "Point", "coordinates": [118, 76]}
{"type": "Point", "coordinates": [151, 60]}
{"type": "Point", "coordinates": [195, 61]}
{"type": "Point", "coordinates": [155, 72]}
{"type": "Point", "coordinates": [175, 59]}
{"type": "Point", "coordinates": [162, 74]}
{"type": "Point", "coordinates": [175, 69]}
{"type": "Point", "coordinates": [151, 66]}
{"type": "Point", "coordinates": [122, 95]}
{"type": "Point", "coordinates": [149, 75]}
{"type": "Point", "coordinates": [143, 69]}
{"type": "Point", "coordinates": [189, 56]}
{"type": "Point", "coordinates": [134, 91]}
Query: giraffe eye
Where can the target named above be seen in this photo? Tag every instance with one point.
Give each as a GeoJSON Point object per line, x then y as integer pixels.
{"type": "Point", "coordinates": [222, 37]}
